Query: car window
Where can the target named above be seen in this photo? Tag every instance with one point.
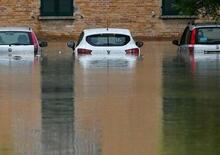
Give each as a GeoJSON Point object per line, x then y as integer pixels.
{"type": "Point", "coordinates": [108, 40]}
{"type": "Point", "coordinates": [80, 38]}
{"type": "Point", "coordinates": [184, 38]}
{"type": "Point", "coordinates": [208, 35]}
{"type": "Point", "coordinates": [188, 36]}
{"type": "Point", "coordinates": [13, 37]}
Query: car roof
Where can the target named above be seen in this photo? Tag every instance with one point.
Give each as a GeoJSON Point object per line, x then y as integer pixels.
{"type": "Point", "coordinates": [204, 25]}
{"type": "Point", "coordinates": [106, 30]}
{"type": "Point", "coordinates": [25, 29]}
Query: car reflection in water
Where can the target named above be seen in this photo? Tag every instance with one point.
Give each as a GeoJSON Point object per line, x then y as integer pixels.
{"type": "Point", "coordinates": [107, 61]}
{"type": "Point", "coordinates": [20, 109]}
{"type": "Point", "coordinates": [18, 59]}
{"type": "Point", "coordinates": [191, 104]}
{"type": "Point", "coordinates": [104, 81]}
{"type": "Point", "coordinates": [200, 61]}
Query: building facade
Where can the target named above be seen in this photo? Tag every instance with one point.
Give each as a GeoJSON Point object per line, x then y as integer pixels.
{"type": "Point", "coordinates": [67, 18]}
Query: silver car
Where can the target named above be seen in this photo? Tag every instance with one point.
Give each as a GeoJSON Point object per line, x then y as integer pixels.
{"type": "Point", "coordinates": [200, 42]}
{"type": "Point", "coordinates": [19, 42]}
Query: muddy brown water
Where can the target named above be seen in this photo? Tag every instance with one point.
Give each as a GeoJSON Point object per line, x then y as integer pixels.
{"type": "Point", "coordinates": [157, 105]}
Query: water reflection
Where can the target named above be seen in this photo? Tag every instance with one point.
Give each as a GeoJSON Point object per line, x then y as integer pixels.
{"type": "Point", "coordinates": [117, 109]}
{"type": "Point", "coordinates": [159, 106]}
{"type": "Point", "coordinates": [107, 61]}
{"type": "Point", "coordinates": [191, 106]}
{"type": "Point", "coordinates": [57, 105]}
{"type": "Point", "coordinates": [200, 62]}
{"type": "Point", "coordinates": [20, 120]}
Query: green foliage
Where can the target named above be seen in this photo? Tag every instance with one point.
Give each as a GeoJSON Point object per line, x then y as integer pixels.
{"type": "Point", "coordinates": [199, 7]}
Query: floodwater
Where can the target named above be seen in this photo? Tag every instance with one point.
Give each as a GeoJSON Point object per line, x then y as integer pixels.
{"type": "Point", "coordinates": [156, 105]}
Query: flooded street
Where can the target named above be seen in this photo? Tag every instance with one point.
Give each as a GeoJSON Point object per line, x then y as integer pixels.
{"type": "Point", "coordinates": [156, 105]}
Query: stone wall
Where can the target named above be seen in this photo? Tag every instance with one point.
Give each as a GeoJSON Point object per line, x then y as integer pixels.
{"type": "Point", "coordinates": [142, 17]}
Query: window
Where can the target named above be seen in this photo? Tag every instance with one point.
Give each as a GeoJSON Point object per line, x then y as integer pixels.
{"type": "Point", "coordinates": [168, 8]}
{"type": "Point", "coordinates": [57, 8]}
{"type": "Point", "coordinates": [80, 38]}
{"type": "Point", "coordinates": [108, 40]}
{"type": "Point", "coordinates": [185, 37]}
{"type": "Point", "coordinates": [14, 38]}
{"type": "Point", "coordinates": [208, 35]}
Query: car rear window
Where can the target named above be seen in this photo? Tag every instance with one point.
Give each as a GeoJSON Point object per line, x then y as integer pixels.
{"type": "Point", "coordinates": [108, 40]}
{"type": "Point", "coordinates": [208, 35]}
{"type": "Point", "coordinates": [14, 38]}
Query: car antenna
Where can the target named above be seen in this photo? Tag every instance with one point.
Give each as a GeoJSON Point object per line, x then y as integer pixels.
{"type": "Point", "coordinates": [107, 16]}
{"type": "Point", "coordinates": [107, 24]}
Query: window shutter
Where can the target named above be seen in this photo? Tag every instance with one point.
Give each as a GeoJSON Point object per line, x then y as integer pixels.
{"type": "Point", "coordinates": [48, 7]}
{"type": "Point", "coordinates": [168, 9]}
{"type": "Point", "coordinates": [65, 7]}
{"type": "Point", "coordinates": [57, 8]}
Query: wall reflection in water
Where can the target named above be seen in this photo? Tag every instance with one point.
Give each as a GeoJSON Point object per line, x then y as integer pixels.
{"type": "Point", "coordinates": [20, 120]}
{"type": "Point", "coordinates": [57, 105]}
{"type": "Point", "coordinates": [191, 107]}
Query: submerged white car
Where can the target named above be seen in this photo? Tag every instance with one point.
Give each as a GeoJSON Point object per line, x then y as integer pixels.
{"type": "Point", "coordinates": [200, 41]}
{"type": "Point", "coordinates": [106, 47]}
{"type": "Point", "coordinates": [106, 42]}
{"type": "Point", "coordinates": [19, 42]}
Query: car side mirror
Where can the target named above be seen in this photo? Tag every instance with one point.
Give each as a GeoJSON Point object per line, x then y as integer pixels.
{"type": "Point", "coordinates": [175, 42]}
{"type": "Point", "coordinates": [71, 44]}
{"type": "Point", "coordinates": [43, 44]}
{"type": "Point", "coordinates": [139, 44]}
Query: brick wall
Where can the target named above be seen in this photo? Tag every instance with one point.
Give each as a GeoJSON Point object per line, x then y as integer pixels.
{"type": "Point", "coordinates": [142, 17]}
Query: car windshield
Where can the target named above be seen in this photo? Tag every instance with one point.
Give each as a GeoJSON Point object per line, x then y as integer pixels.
{"type": "Point", "coordinates": [108, 40]}
{"type": "Point", "coordinates": [14, 38]}
{"type": "Point", "coordinates": [208, 35]}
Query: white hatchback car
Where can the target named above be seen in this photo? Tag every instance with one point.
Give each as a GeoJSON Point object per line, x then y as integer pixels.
{"type": "Point", "coordinates": [106, 42]}
{"type": "Point", "coordinates": [19, 42]}
{"type": "Point", "coordinates": [106, 47]}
